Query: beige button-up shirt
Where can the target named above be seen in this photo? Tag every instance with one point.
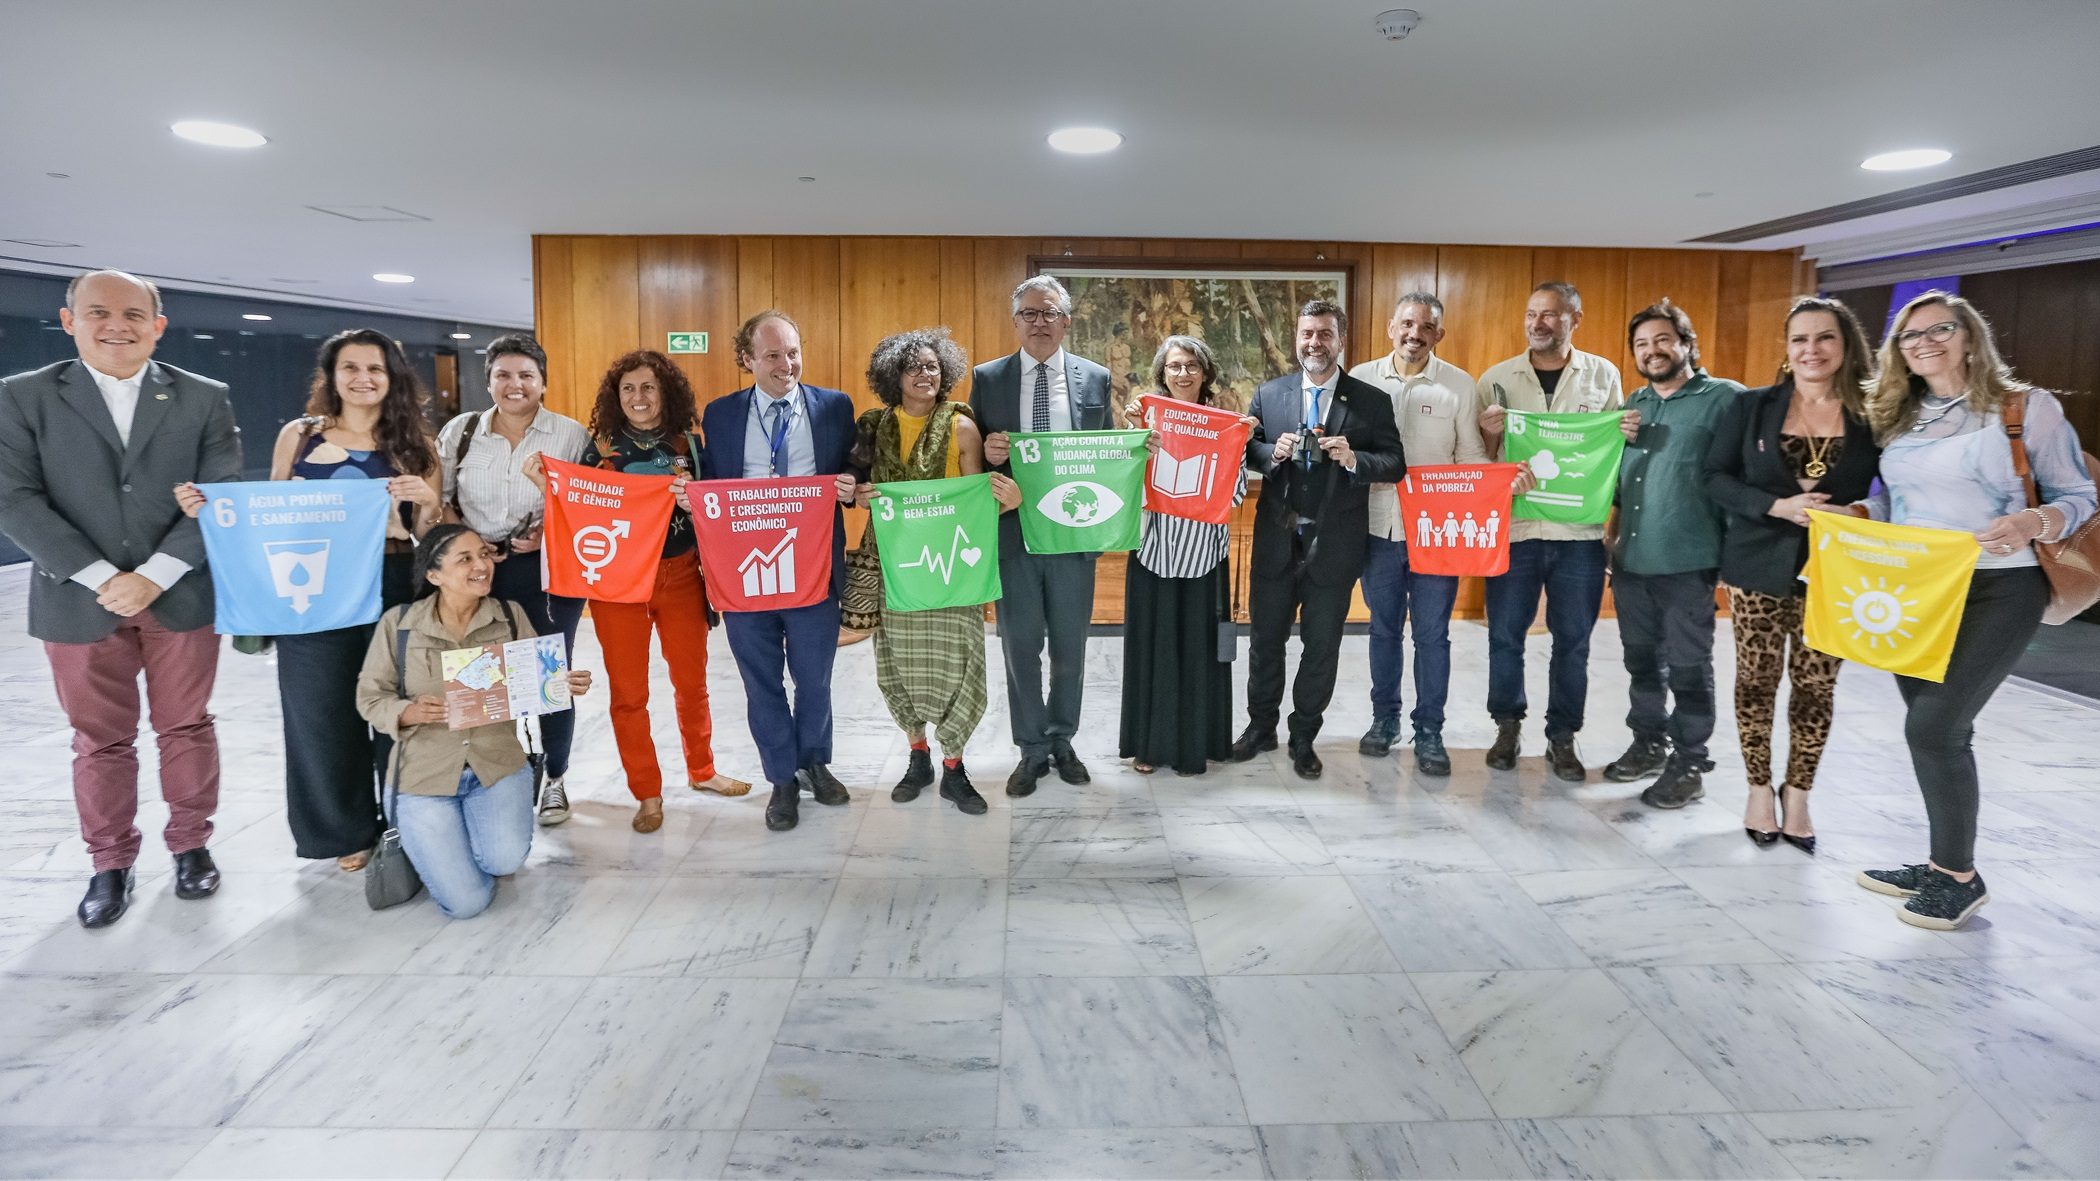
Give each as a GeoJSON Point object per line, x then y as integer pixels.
{"type": "Point", "coordinates": [1439, 423]}
{"type": "Point", "coordinates": [435, 754]}
{"type": "Point", "coordinates": [1589, 384]}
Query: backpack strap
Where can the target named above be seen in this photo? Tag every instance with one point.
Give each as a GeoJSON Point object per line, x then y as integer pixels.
{"type": "Point", "coordinates": [459, 457]}
{"type": "Point", "coordinates": [509, 617]}
{"type": "Point", "coordinates": [393, 790]}
{"type": "Point", "coordinates": [2013, 415]}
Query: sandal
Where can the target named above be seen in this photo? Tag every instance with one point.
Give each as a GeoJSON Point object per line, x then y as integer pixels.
{"type": "Point", "coordinates": [353, 862]}
{"type": "Point", "coordinates": [1142, 767]}
{"type": "Point", "coordinates": [647, 819]}
{"type": "Point", "coordinates": [723, 785]}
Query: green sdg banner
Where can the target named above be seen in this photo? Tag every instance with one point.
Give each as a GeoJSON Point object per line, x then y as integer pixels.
{"type": "Point", "coordinates": [939, 542]}
{"type": "Point", "coordinates": [1082, 492]}
{"type": "Point", "coordinates": [1576, 460]}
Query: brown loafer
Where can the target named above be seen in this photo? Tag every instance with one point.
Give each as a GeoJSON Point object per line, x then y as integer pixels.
{"type": "Point", "coordinates": [648, 819]}
{"type": "Point", "coordinates": [723, 785]}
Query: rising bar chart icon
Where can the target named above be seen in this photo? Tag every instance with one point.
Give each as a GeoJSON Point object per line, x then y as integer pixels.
{"type": "Point", "coordinates": [770, 572]}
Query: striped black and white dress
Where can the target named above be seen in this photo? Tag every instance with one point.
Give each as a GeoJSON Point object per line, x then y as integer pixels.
{"type": "Point", "coordinates": [1177, 694]}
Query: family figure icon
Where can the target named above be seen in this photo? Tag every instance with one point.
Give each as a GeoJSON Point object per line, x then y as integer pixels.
{"type": "Point", "coordinates": [1454, 533]}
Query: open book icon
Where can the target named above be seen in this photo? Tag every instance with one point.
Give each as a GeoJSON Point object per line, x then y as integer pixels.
{"type": "Point", "coordinates": [1184, 477]}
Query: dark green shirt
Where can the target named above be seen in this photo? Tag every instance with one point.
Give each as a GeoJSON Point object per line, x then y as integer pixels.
{"type": "Point", "coordinates": [1667, 523]}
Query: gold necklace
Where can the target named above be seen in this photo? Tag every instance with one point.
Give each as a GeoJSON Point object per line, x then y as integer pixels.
{"type": "Point", "coordinates": [1815, 467]}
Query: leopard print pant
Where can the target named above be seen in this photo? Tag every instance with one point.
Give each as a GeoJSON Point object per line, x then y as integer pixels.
{"type": "Point", "coordinates": [1765, 627]}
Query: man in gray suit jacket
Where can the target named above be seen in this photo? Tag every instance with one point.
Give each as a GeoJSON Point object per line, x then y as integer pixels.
{"type": "Point", "coordinates": [1041, 388]}
{"type": "Point", "coordinates": [90, 454]}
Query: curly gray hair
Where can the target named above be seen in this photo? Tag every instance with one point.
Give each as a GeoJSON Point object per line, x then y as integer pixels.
{"type": "Point", "coordinates": [887, 364]}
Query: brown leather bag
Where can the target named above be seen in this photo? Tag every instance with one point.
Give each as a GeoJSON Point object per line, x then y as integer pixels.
{"type": "Point", "coordinates": [2072, 563]}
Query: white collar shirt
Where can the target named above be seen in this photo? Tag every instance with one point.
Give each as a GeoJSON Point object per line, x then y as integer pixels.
{"type": "Point", "coordinates": [798, 450]}
{"type": "Point", "coordinates": [1439, 421]}
{"type": "Point", "coordinates": [121, 395]}
{"type": "Point", "coordinates": [1060, 392]}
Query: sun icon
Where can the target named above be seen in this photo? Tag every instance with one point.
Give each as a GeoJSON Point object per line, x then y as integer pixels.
{"type": "Point", "coordinates": [1876, 611]}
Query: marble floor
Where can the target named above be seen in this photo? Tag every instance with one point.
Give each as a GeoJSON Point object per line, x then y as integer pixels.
{"type": "Point", "coordinates": [1239, 975]}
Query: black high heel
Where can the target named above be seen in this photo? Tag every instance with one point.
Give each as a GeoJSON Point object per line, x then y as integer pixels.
{"type": "Point", "coordinates": [1806, 844]}
{"type": "Point", "coordinates": [1759, 837]}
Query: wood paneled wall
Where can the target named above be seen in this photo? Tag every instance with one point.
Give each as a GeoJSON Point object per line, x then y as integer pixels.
{"type": "Point", "coordinates": [597, 296]}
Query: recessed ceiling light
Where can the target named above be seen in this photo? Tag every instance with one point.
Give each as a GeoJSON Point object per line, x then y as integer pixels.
{"type": "Point", "coordinates": [218, 135]}
{"type": "Point", "coordinates": [462, 336]}
{"type": "Point", "coordinates": [1906, 159]}
{"type": "Point", "coordinates": [393, 277]}
{"type": "Point", "coordinates": [1084, 141]}
{"type": "Point", "coordinates": [253, 316]}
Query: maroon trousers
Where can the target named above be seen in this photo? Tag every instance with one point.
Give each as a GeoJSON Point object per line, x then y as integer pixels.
{"type": "Point", "coordinates": [98, 687]}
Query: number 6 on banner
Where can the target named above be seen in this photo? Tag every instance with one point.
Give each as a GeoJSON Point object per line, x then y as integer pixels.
{"type": "Point", "coordinates": [222, 513]}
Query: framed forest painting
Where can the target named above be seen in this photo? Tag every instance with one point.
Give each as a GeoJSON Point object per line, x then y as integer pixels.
{"type": "Point", "coordinates": [1246, 313]}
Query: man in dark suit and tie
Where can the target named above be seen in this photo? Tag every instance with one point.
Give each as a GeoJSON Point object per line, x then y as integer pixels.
{"type": "Point", "coordinates": [1044, 596]}
{"type": "Point", "coordinates": [778, 426]}
{"type": "Point", "coordinates": [90, 454]}
{"type": "Point", "coordinates": [1324, 439]}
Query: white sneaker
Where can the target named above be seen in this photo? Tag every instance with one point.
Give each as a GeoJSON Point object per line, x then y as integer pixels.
{"type": "Point", "coordinates": [554, 803]}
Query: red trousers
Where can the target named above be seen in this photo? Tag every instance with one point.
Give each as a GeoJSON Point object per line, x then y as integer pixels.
{"type": "Point", "coordinates": [98, 687]}
{"type": "Point", "coordinates": [678, 612]}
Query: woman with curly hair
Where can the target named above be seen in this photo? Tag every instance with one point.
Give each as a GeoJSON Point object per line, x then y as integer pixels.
{"type": "Point", "coordinates": [364, 421]}
{"type": "Point", "coordinates": [642, 423]}
{"type": "Point", "coordinates": [928, 664]}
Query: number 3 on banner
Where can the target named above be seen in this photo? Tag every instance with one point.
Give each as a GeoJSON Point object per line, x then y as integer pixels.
{"type": "Point", "coordinates": [222, 513]}
{"type": "Point", "coordinates": [1029, 450]}
{"type": "Point", "coordinates": [712, 503]}
{"type": "Point", "coordinates": [889, 509]}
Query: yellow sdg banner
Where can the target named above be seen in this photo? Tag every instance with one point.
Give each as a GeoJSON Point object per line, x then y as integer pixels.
{"type": "Point", "coordinates": [1886, 596]}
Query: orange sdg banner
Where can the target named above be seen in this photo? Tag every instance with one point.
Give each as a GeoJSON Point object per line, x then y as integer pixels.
{"type": "Point", "coordinates": [1454, 518]}
{"type": "Point", "coordinates": [605, 532]}
{"type": "Point", "coordinates": [1197, 467]}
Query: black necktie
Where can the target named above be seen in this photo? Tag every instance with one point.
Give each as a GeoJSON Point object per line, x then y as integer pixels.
{"type": "Point", "coordinates": [1040, 420]}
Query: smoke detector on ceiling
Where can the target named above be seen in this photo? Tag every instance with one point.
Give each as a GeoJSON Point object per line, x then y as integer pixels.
{"type": "Point", "coordinates": [1396, 23]}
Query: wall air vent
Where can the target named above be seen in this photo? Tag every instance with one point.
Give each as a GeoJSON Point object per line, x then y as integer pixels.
{"type": "Point", "coordinates": [1990, 180]}
{"type": "Point", "coordinates": [367, 213]}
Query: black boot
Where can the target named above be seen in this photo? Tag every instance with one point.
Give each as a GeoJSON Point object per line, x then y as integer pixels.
{"type": "Point", "coordinates": [826, 786]}
{"type": "Point", "coordinates": [1680, 783]}
{"type": "Point", "coordinates": [957, 789]}
{"type": "Point", "coordinates": [1503, 755]}
{"type": "Point", "coordinates": [1562, 760]}
{"type": "Point", "coordinates": [108, 894]}
{"type": "Point", "coordinates": [1379, 739]}
{"type": "Point", "coordinates": [917, 776]}
{"type": "Point", "coordinates": [783, 810]}
{"type": "Point", "coordinates": [1430, 756]}
{"type": "Point", "coordinates": [1644, 758]}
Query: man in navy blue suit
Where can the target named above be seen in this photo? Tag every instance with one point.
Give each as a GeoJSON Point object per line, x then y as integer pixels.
{"type": "Point", "coordinates": [778, 426]}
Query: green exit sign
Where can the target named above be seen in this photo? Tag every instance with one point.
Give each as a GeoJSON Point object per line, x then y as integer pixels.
{"type": "Point", "coordinates": [685, 342]}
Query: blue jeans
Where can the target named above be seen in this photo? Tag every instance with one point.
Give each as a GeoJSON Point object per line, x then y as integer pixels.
{"type": "Point", "coordinates": [1571, 573]}
{"type": "Point", "coordinates": [461, 844]}
{"type": "Point", "coordinates": [1396, 595]}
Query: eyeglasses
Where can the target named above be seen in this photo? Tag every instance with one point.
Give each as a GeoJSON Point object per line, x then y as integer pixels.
{"type": "Point", "coordinates": [933, 367]}
{"type": "Point", "coordinates": [1038, 315]}
{"type": "Point", "coordinates": [1939, 333]}
{"type": "Point", "coordinates": [1182, 367]}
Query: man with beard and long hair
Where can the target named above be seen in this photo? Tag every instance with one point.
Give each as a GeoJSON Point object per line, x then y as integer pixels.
{"type": "Point", "coordinates": [1324, 438]}
{"type": "Point", "coordinates": [1667, 558]}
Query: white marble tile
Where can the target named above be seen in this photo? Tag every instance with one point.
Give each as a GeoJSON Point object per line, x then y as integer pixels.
{"type": "Point", "coordinates": [931, 928]}
{"type": "Point", "coordinates": [98, 1153]}
{"type": "Point", "coordinates": [540, 924]}
{"type": "Point", "coordinates": [193, 1054]}
{"type": "Point", "coordinates": [1343, 1049]}
{"type": "Point", "coordinates": [711, 926]}
{"type": "Point", "coordinates": [932, 840]}
{"type": "Point", "coordinates": [1099, 927]}
{"type": "Point", "coordinates": [2041, 908]}
{"type": "Point", "coordinates": [1561, 1043]}
{"type": "Point", "coordinates": [874, 1054]}
{"type": "Point", "coordinates": [1229, 842]}
{"type": "Point", "coordinates": [499, 1155]}
{"type": "Point", "coordinates": [1429, 1148]}
{"type": "Point", "coordinates": [39, 905]}
{"type": "Point", "coordinates": [648, 1054]}
{"type": "Point", "coordinates": [2010, 1041]}
{"type": "Point", "coordinates": [2067, 1133]}
{"type": "Point", "coordinates": [1636, 917]}
{"type": "Point", "coordinates": [1658, 1146]}
{"type": "Point", "coordinates": [1283, 925]}
{"type": "Point", "coordinates": [817, 1155]}
{"type": "Point", "coordinates": [1547, 833]}
{"type": "Point", "coordinates": [420, 1052]}
{"type": "Point", "coordinates": [1073, 843]}
{"type": "Point", "coordinates": [1810, 913]}
{"type": "Point", "coordinates": [1126, 1053]}
{"type": "Point", "coordinates": [163, 933]}
{"type": "Point", "coordinates": [738, 844]}
{"type": "Point", "coordinates": [1411, 835]}
{"type": "Point", "coordinates": [1770, 1040]}
{"type": "Point", "coordinates": [599, 837]}
{"type": "Point", "coordinates": [1955, 1137]}
{"type": "Point", "coordinates": [46, 1021]}
{"type": "Point", "coordinates": [330, 929]}
{"type": "Point", "coordinates": [328, 1152]}
{"type": "Point", "coordinates": [1164, 1153]}
{"type": "Point", "coordinates": [1443, 922]}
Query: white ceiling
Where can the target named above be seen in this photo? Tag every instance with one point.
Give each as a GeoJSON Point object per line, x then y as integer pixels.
{"type": "Point", "coordinates": [1529, 121]}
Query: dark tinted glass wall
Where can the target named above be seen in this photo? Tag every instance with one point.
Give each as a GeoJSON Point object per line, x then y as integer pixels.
{"type": "Point", "coordinates": [266, 364]}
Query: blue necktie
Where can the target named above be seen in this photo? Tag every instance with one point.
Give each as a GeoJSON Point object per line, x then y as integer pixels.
{"type": "Point", "coordinates": [1310, 442]}
{"type": "Point", "coordinates": [776, 432]}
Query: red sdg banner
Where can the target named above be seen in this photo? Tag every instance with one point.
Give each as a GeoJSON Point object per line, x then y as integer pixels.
{"type": "Point", "coordinates": [1455, 519]}
{"type": "Point", "coordinates": [765, 545]}
{"type": "Point", "coordinates": [605, 532]}
{"type": "Point", "coordinates": [1201, 450]}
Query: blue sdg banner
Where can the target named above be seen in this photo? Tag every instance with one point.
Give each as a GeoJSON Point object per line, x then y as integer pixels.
{"type": "Point", "coordinates": [291, 557]}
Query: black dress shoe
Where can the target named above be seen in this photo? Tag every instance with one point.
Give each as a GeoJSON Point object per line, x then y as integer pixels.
{"type": "Point", "coordinates": [1252, 741]}
{"type": "Point", "coordinates": [1645, 757]}
{"type": "Point", "coordinates": [195, 875]}
{"type": "Point", "coordinates": [917, 777]}
{"type": "Point", "coordinates": [1378, 740]}
{"type": "Point", "coordinates": [825, 786]}
{"type": "Point", "coordinates": [1562, 760]}
{"type": "Point", "coordinates": [783, 810]}
{"type": "Point", "coordinates": [957, 789]}
{"type": "Point", "coordinates": [1503, 755]}
{"type": "Point", "coordinates": [1304, 761]}
{"type": "Point", "coordinates": [108, 894]}
{"type": "Point", "coordinates": [1069, 768]}
{"type": "Point", "coordinates": [1022, 781]}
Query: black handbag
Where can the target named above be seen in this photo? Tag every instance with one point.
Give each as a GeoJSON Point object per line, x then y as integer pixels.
{"type": "Point", "coordinates": [390, 877]}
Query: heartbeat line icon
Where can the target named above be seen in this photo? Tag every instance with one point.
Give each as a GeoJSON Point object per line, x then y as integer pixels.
{"type": "Point", "coordinates": [943, 565]}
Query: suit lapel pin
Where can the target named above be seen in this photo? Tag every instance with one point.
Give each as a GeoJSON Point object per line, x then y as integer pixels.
{"type": "Point", "coordinates": [160, 397]}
